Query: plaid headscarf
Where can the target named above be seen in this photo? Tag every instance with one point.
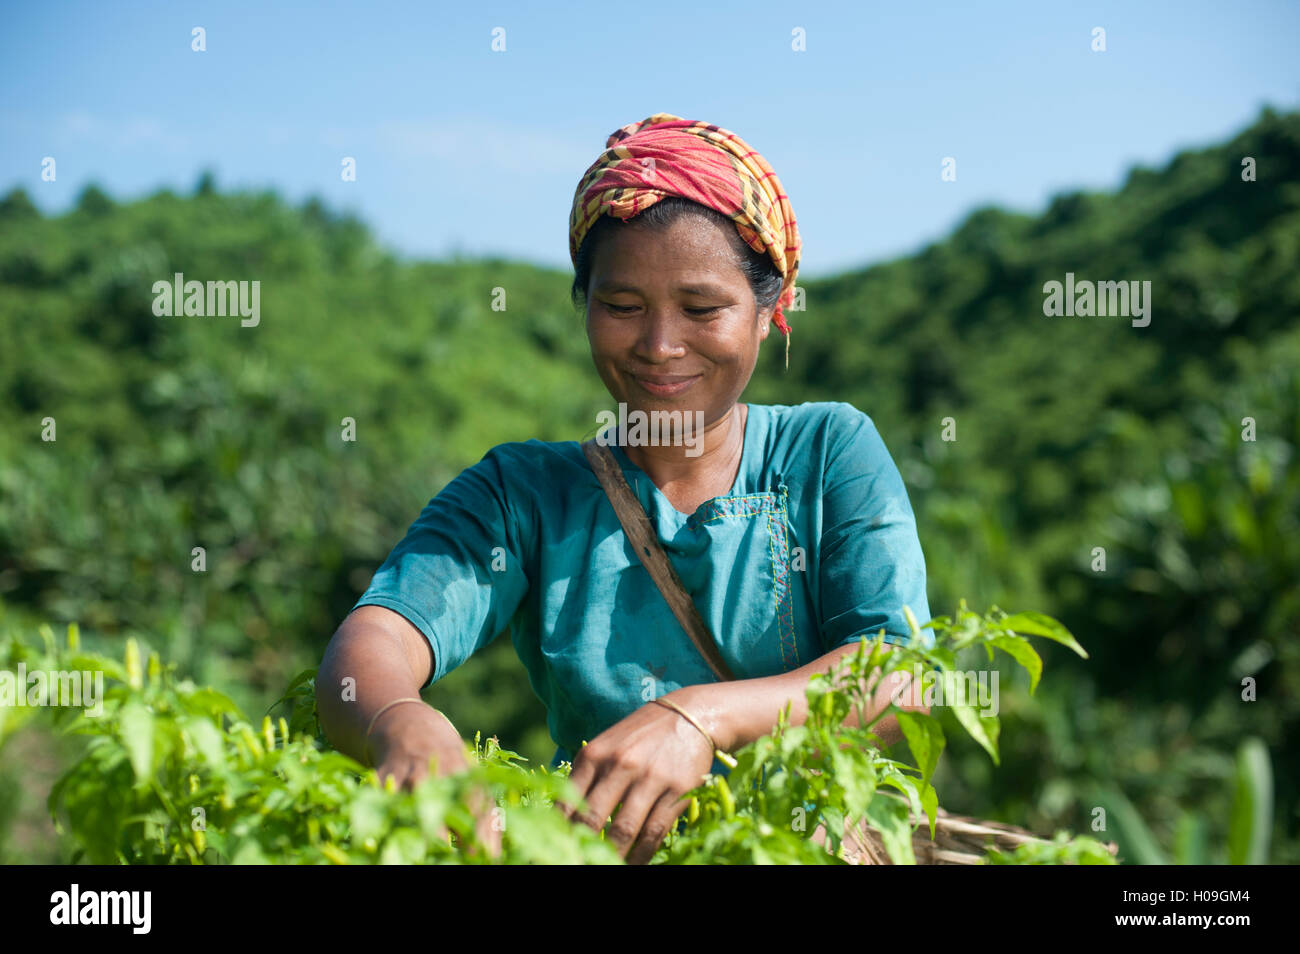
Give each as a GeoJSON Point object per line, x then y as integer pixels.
{"type": "Point", "coordinates": [667, 155]}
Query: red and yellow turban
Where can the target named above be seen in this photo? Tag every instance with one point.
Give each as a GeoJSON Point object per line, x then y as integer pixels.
{"type": "Point", "coordinates": [667, 155]}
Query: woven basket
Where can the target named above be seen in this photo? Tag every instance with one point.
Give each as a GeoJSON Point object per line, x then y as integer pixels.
{"type": "Point", "coordinates": [958, 840]}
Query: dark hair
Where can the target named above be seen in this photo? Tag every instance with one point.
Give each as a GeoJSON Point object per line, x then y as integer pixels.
{"type": "Point", "coordinates": [764, 279]}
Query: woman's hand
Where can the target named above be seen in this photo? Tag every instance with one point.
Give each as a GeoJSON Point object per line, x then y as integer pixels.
{"type": "Point", "coordinates": [406, 738]}
{"type": "Point", "coordinates": [646, 761]}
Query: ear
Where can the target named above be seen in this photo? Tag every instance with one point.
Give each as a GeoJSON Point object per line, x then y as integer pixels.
{"type": "Point", "coordinates": [765, 322]}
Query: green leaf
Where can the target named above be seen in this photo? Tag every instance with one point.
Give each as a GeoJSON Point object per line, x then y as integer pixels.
{"type": "Point", "coordinates": [136, 726]}
{"type": "Point", "coordinates": [403, 847]}
{"type": "Point", "coordinates": [250, 853]}
{"type": "Point", "coordinates": [297, 687]}
{"type": "Point", "coordinates": [1038, 624]}
{"type": "Point", "coordinates": [858, 784]}
{"type": "Point", "coordinates": [208, 701]}
{"type": "Point", "coordinates": [944, 658]}
{"type": "Point", "coordinates": [1250, 823]}
{"type": "Point", "coordinates": [890, 775]}
{"type": "Point", "coordinates": [1023, 653]}
{"type": "Point", "coordinates": [924, 737]}
{"type": "Point", "coordinates": [367, 815]}
{"type": "Point", "coordinates": [983, 729]}
{"type": "Point", "coordinates": [889, 816]}
{"type": "Point", "coordinates": [206, 739]}
{"type": "Point", "coordinates": [930, 802]}
{"type": "Point", "coordinates": [303, 677]}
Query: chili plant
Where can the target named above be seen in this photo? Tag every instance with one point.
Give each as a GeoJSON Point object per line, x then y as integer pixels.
{"type": "Point", "coordinates": [172, 772]}
{"type": "Point", "coordinates": [823, 775]}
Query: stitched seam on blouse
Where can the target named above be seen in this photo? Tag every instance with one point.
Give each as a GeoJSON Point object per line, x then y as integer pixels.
{"type": "Point", "coordinates": [781, 578]}
{"type": "Point", "coordinates": [778, 545]}
{"type": "Point", "coordinates": [776, 590]}
{"type": "Point", "coordinates": [750, 505]}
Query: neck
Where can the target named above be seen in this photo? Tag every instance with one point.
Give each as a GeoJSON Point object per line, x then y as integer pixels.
{"type": "Point", "coordinates": [714, 455]}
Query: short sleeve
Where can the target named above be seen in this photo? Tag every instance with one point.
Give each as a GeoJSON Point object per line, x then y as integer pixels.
{"type": "Point", "coordinates": [870, 564]}
{"type": "Point", "coordinates": [458, 574]}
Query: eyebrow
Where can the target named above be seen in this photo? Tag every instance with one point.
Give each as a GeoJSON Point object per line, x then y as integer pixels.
{"type": "Point", "coordinates": [614, 287]}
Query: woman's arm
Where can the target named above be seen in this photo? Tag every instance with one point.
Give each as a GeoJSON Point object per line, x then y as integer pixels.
{"type": "Point", "coordinates": [375, 657]}
{"type": "Point", "coordinates": [737, 713]}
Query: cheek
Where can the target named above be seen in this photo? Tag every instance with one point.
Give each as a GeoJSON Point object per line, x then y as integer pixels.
{"type": "Point", "coordinates": [602, 336]}
{"type": "Point", "coordinates": [607, 348]}
{"type": "Point", "coordinates": [736, 342]}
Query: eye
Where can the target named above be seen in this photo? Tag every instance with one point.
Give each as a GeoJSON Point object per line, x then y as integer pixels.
{"type": "Point", "coordinates": [627, 309]}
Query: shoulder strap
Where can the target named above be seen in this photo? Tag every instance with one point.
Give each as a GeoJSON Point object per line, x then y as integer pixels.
{"type": "Point", "coordinates": [646, 546]}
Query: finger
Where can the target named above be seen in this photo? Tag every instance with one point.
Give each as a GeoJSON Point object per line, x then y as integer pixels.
{"type": "Point", "coordinates": [490, 833]}
{"type": "Point", "coordinates": [399, 772]}
{"type": "Point", "coordinates": [662, 817]}
{"type": "Point", "coordinates": [608, 791]}
{"type": "Point", "coordinates": [638, 803]}
{"type": "Point", "coordinates": [581, 777]}
{"type": "Point", "coordinates": [414, 773]}
{"type": "Point", "coordinates": [488, 818]}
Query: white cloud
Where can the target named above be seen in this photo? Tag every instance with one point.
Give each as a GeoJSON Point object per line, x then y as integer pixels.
{"type": "Point", "coordinates": [119, 134]}
{"type": "Point", "coordinates": [479, 143]}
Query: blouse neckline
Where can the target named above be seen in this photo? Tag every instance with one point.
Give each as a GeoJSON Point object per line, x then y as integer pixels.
{"type": "Point", "coordinates": [746, 451]}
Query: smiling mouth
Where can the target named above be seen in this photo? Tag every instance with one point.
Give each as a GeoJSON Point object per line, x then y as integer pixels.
{"type": "Point", "coordinates": [665, 385]}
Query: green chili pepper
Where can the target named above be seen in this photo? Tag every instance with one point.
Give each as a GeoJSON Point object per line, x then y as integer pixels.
{"type": "Point", "coordinates": [250, 740]}
{"type": "Point", "coordinates": [724, 793]}
{"type": "Point", "coordinates": [333, 854]}
{"type": "Point", "coordinates": [911, 622]}
{"type": "Point", "coordinates": [134, 677]}
{"type": "Point", "coordinates": [827, 706]}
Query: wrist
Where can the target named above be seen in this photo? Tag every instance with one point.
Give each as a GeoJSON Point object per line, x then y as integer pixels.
{"type": "Point", "coordinates": [414, 728]}
{"type": "Point", "coordinates": [379, 715]}
{"type": "Point", "coordinates": [709, 704]}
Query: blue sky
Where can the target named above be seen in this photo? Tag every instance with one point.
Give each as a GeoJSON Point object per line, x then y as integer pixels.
{"type": "Point", "coordinates": [462, 148]}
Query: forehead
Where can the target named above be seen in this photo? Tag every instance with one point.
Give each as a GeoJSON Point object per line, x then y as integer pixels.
{"type": "Point", "coordinates": [692, 285]}
{"type": "Point", "coordinates": [696, 252]}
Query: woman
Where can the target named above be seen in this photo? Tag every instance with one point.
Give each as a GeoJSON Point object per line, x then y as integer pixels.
{"type": "Point", "coordinates": [789, 526]}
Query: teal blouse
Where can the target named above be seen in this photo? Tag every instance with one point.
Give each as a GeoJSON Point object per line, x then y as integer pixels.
{"type": "Point", "coordinates": [814, 546]}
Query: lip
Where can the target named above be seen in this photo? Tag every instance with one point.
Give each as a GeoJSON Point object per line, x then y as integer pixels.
{"type": "Point", "coordinates": [665, 385]}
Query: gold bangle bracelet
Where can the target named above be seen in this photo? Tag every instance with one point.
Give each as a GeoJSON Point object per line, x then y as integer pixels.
{"type": "Point", "coordinates": [669, 704]}
{"type": "Point", "coordinates": [382, 709]}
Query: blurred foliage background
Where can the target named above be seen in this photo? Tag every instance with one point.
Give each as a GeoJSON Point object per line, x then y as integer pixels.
{"type": "Point", "coordinates": [1072, 434]}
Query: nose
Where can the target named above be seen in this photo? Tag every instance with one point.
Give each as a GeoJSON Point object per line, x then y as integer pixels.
{"type": "Point", "coordinates": [659, 340]}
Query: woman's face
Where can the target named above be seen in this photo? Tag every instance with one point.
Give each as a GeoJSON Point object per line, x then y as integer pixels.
{"type": "Point", "coordinates": [671, 318]}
